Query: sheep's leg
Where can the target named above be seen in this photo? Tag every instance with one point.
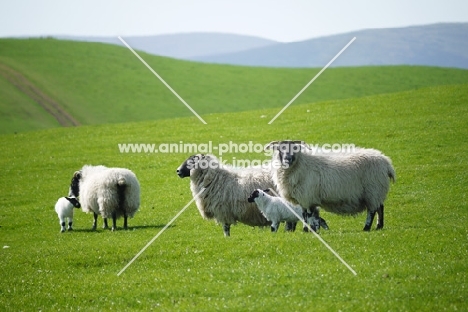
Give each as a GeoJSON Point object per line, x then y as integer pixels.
{"type": "Point", "coordinates": [114, 221]}
{"type": "Point", "coordinates": [62, 226]}
{"type": "Point", "coordinates": [274, 227]}
{"type": "Point", "coordinates": [125, 221]}
{"type": "Point", "coordinates": [369, 220]}
{"type": "Point", "coordinates": [95, 222]}
{"type": "Point", "coordinates": [311, 216]}
{"type": "Point", "coordinates": [290, 226]}
{"type": "Point", "coordinates": [105, 225]}
{"type": "Point", "coordinates": [380, 217]}
{"type": "Point", "coordinates": [323, 223]}
{"type": "Point", "coordinates": [227, 229]}
{"type": "Point", "coordinates": [70, 222]}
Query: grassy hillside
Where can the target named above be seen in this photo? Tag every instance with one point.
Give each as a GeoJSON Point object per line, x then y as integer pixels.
{"type": "Point", "coordinates": [418, 262]}
{"type": "Point", "coordinates": [98, 83]}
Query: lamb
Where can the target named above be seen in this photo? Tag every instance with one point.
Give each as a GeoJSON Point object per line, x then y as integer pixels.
{"type": "Point", "coordinates": [110, 192]}
{"type": "Point", "coordinates": [64, 210]}
{"type": "Point", "coordinates": [226, 190]}
{"type": "Point", "coordinates": [341, 183]}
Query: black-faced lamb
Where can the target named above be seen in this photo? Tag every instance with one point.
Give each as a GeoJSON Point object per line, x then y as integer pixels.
{"type": "Point", "coordinates": [227, 188]}
{"type": "Point", "coordinates": [275, 209]}
{"type": "Point", "coordinates": [344, 183]}
{"type": "Point", "coordinates": [109, 192]}
{"type": "Point", "coordinates": [64, 209]}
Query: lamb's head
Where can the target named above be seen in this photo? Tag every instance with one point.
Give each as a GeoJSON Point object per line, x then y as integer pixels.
{"type": "Point", "coordinates": [75, 184]}
{"type": "Point", "coordinates": [74, 201]}
{"type": "Point", "coordinates": [190, 163]}
{"type": "Point", "coordinates": [285, 151]}
{"type": "Point", "coordinates": [257, 193]}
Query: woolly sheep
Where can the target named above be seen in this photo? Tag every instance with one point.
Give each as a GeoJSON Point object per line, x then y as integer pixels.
{"type": "Point", "coordinates": [275, 209]}
{"type": "Point", "coordinates": [226, 190]}
{"type": "Point", "coordinates": [341, 183]}
{"type": "Point", "coordinates": [64, 209]}
{"type": "Point", "coordinates": [110, 192]}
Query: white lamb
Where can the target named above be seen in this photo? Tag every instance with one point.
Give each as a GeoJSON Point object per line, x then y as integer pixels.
{"type": "Point", "coordinates": [110, 192]}
{"type": "Point", "coordinates": [342, 183]}
{"type": "Point", "coordinates": [64, 209]}
{"type": "Point", "coordinates": [275, 209]}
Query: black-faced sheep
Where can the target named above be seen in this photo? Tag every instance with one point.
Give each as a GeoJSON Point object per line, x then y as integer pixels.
{"type": "Point", "coordinates": [110, 192]}
{"type": "Point", "coordinates": [343, 183]}
{"type": "Point", "coordinates": [64, 209]}
{"type": "Point", "coordinates": [227, 188]}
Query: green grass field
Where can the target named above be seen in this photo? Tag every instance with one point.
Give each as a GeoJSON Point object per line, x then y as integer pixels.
{"type": "Point", "coordinates": [99, 83]}
{"type": "Point", "coordinates": [417, 263]}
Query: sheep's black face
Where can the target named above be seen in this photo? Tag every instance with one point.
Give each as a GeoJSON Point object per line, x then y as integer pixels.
{"type": "Point", "coordinates": [74, 202]}
{"type": "Point", "coordinates": [254, 195]}
{"type": "Point", "coordinates": [191, 162]}
{"type": "Point", "coordinates": [75, 185]}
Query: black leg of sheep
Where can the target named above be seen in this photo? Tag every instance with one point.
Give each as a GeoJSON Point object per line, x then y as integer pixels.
{"type": "Point", "coordinates": [227, 229]}
{"type": "Point", "coordinates": [95, 222]}
{"type": "Point", "coordinates": [380, 220]}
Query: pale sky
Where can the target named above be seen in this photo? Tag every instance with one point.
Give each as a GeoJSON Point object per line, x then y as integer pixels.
{"type": "Point", "coordinates": [286, 21]}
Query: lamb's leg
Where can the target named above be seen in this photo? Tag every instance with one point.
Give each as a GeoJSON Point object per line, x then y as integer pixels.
{"type": "Point", "coordinates": [70, 222]}
{"type": "Point", "coordinates": [227, 229]}
{"type": "Point", "coordinates": [369, 220]}
{"type": "Point", "coordinates": [290, 226]}
{"type": "Point", "coordinates": [274, 227]}
{"type": "Point", "coordinates": [380, 217]}
{"type": "Point", "coordinates": [114, 221]}
{"type": "Point", "coordinates": [95, 222]}
{"type": "Point", "coordinates": [312, 217]}
{"type": "Point", "coordinates": [106, 225]}
{"type": "Point", "coordinates": [62, 226]}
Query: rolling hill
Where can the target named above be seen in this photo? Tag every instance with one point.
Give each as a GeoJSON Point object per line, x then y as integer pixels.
{"type": "Point", "coordinates": [416, 263]}
{"type": "Point", "coordinates": [95, 83]}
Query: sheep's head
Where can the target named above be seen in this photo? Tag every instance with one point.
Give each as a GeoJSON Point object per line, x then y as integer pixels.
{"type": "Point", "coordinates": [189, 164]}
{"type": "Point", "coordinates": [285, 151]}
{"type": "Point", "coordinates": [74, 201]}
{"type": "Point", "coordinates": [257, 193]}
{"type": "Point", "coordinates": [75, 184]}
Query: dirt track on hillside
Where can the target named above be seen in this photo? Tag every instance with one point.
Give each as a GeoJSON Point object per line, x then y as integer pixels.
{"type": "Point", "coordinates": [27, 87]}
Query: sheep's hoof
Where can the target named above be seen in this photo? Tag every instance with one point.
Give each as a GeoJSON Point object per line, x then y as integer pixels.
{"type": "Point", "coordinates": [62, 230]}
{"type": "Point", "coordinates": [367, 228]}
{"type": "Point", "coordinates": [113, 229]}
{"type": "Point", "coordinates": [379, 227]}
{"type": "Point", "coordinates": [93, 228]}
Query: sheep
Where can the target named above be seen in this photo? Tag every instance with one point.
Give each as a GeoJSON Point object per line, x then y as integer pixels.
{"type": "Point", "coordinates": [64, 210]}
{"type": "Point", "coordinates": [226, 190]}
{"type": "Point", "coordinates": [341, 183]}
{"type": "Point", "coordinates": [110, 192]}
{"type": "Point", "coordinates": [275, 209]}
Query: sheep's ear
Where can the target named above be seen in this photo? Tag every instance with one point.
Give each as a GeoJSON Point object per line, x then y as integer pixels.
{"type": "Point", "coordinates": [77, 175]}
{"type": "Point", "coordinates": [267, 190]}
{"type": "Point", "coordinates": [270, 146]}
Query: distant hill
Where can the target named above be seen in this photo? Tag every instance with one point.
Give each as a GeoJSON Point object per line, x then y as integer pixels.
{"type": "Point", "coordinates": [444, 45]}
{"type": "Point", "coordinates": [185, 46]}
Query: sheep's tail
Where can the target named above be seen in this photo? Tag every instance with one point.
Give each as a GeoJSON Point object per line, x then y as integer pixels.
{"type": "Point", "coordinates": [391, 173]}
{"type": "Point", "coordinates": [121, 186]}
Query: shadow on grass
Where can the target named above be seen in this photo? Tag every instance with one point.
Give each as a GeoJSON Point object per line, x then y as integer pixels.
{"type": "Point", "coordinates": [119, 229]}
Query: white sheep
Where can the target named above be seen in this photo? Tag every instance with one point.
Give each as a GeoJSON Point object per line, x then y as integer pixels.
{"type": "Point", "coordinates": [110, 192]}
{"type": "Point", "coordinates": [227, 188]}
{"type": "Point", "coordinates": [275, 209]}
{"type": "Point", "coordinates": [64, 209]}
{"type": "Point", "coordinates": [343, 183]}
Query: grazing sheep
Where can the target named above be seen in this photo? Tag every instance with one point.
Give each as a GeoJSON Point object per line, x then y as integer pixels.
{"type": "Point", "coordinates": [110, 192]}
{"type": "Point", "coordinates": [226, 190]}
{"type": "Point", "coordinates": [275, 209]}
{"type": "Point", "coordinates": [342, 183]}
{"type": "Point", "coordinates": [64, 210]}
